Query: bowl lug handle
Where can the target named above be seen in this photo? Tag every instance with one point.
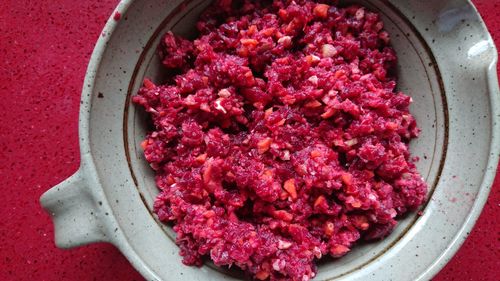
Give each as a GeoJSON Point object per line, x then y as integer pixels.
{"type": "Point", "coordinates": [76, 215]}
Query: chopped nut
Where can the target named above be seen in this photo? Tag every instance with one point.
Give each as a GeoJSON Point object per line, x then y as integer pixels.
{"type": "Point", "coordinates": [148, 84]}
{"type": "Point", "coordinates": [317, 252]}
{"type": "Point", "coordinates": [315, 153]}
{"type": "Point", "coordinates": [329, 228]}
{"type": "Point", "coordinates": [266, 46]}
{"type": "Point", "coordinates": [170, 180]}
{"type": "Point", "coordinates": [328, 113]}
{"type": "Point", "coordinates": [339, 73]}
{"type": "Point", "coordinates": [313, 79]}
{"type": "Point", "coordinates": [360, 14]}
{"type": "Point", "coordinates": [209, 214]}
{"type": "Point", "coordinates": [321, 11]}
{"type": "Point", "coordinates": [249, 42]}
{"type": "Point", "coordinates": [391, 126]}
{"type": "Point", "coordinates": [204, 106]}
{"type": "Point", "coordinates": [207, 173]}
{"type": "Point", "coordinates": [283, 215]}
{"type": "Point", "coordinates": [339, 250]}
{"type": "Point", "coordinates": [328, 51]}
{"type": "Point", "coordinates": [252, 30]}
{"type": "Point", "coordinates": [393, 213]}
{"type": "Point", "coordinates": [283, 245]}
{"type": "Point", "coordinates": [319, 201]}
{"type": "Point", "coordinates": [351, 142]}
{"type": "Point", "coordinates": [268, 112]}
{"type": "Point", "coordinates": [286, 155]}
{"type": "Point", "coordinates": [310, 59]}
{"type": "Point", "coordinates": [262, 275]}
{"type": "Point", "coordinates": [289, 186]}
{"type": "Point", "coordinates": [263, 145]}
{"type": "Point", "coordinates": [312, 104]}
{"type": "Point", "coordinates": [268, 31]}
{"type": "Point", "coordinates": [144, 144]}
{"type": "Point", "coordinates": [201, 158]}
{"type": "Point", "coordinates": [283, 14]}
{"type": "Point", "coordinates": [285, 41]}
{"type": "Point", "coordinates": [152, 110]}
{"type": "Point", "coordinates": [190, 101]}
{"type": "Point", "coordinates": [406, 176]}
{"type": "Point", "coordinates": [338, 142]}
{"type": "Point", "coordinates": [361, 222]}
{"type": "Point", "coordinates": [224, 93]}
{"type": "Point", "coordinates": [268, 174]}
{"type": "Point", "coordinates": [205, 80]}
{"type": "Point", "coordinates": [276, 265]}
{"type": "Point", "coordinates": [281, 122]}
{"type": "Point", "coordinates": [346, 178]}
{"type": "Point", "coordinates": [356, 204]}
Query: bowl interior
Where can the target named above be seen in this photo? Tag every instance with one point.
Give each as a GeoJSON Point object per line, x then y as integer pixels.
{"type": "Point", "coordinates": [418, 75]}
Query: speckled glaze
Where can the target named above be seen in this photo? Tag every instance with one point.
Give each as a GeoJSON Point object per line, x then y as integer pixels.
{"type": "Point", "coordinates": [447, 64]}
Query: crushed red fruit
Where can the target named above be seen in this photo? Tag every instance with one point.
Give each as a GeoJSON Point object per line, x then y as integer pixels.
{"type": "Point", "coordinates": [279, 136]}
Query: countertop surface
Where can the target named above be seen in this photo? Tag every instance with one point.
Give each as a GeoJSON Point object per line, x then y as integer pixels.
{"type": "Point", "coordinates": [44, 49]}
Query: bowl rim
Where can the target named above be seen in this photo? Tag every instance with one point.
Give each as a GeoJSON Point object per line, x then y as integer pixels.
{"type": "Point", "coordinates": [453, 246]}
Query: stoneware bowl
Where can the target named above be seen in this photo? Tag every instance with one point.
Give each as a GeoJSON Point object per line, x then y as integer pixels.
{"type": "Point", "coordinates": [447, 63]}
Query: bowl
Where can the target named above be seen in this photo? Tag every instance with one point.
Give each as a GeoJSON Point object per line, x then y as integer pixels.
{"type": "Point", "coordinates": [447, 64]}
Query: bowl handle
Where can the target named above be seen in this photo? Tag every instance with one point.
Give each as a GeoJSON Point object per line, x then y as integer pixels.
{"type": "Point", "coordinates": [76, 216]}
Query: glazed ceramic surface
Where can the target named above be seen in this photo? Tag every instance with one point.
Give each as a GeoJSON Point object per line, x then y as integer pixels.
{"type": "Point", "coordinates": [447, 64]}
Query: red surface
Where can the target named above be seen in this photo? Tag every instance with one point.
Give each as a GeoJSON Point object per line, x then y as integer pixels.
{"type": "Point", "coordinates": [44, 50]}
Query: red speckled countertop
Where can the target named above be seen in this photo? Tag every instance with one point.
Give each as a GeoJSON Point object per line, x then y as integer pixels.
{"type": "Point", "coordinates": [44, 50]}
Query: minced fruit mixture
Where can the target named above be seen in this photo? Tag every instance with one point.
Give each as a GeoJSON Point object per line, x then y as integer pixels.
{"type": "Point", "coordinates": [279, 136]}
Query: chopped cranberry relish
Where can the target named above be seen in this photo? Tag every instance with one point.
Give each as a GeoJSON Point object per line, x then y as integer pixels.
{"type": "Point", "coordinates": [279, 137]}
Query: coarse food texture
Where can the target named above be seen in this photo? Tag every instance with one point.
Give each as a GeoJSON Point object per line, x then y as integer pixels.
{"type": "Point", "coordinates": [279, 136]}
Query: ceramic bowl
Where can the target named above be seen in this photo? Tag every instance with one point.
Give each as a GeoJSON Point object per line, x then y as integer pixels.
{"type": "Point", "coordinates": [447, 63]}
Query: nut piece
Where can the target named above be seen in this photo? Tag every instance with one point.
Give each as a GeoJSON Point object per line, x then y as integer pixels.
{"type": "Point", "coordinates": [321, 11]}
{"type": "Point", "coordinates": [328, 51]}
{"type": "Point", "coordinates": [247, 42]}
{"type": "Point", "coordinates": [319, 201]}
{"type": "Point", "coordinates": [346, 178]}
{"type": "Point", "coordinates": [262, 275]}
{"type": "Point", "coordinates": [289, 186]}
{"type": "Point", "coordinates": [286, 41]}
{"type": "Point", "coordinates": [360, 14]}
{"type": "Point", "coordinates": [351, 142]}
{"type": "Point", "coordinates": [283, 245]}
{"type": "Point", "coordinates": [313, 79]}
{"type": "Point", "coordinates": [328, 113]}
{"type": "Point", "coordinates": [339, 250]}
{"type": "Point", "coordinates": [310, 59]}
{"type": "Point", "coordinates": [263, 145]}
{"type": "Point", "coordinates": [312, 104]}
{"type": "Point", "coordinates": [201, 158]}
{"type": "Point", "coordinates": [283, 215]}
{"type": "Point", "coordinates": [315, 154]}
{"type": "Point", "coordinates": [224, 93]}
{"type": "Point", "coordinates": [329, 228]}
